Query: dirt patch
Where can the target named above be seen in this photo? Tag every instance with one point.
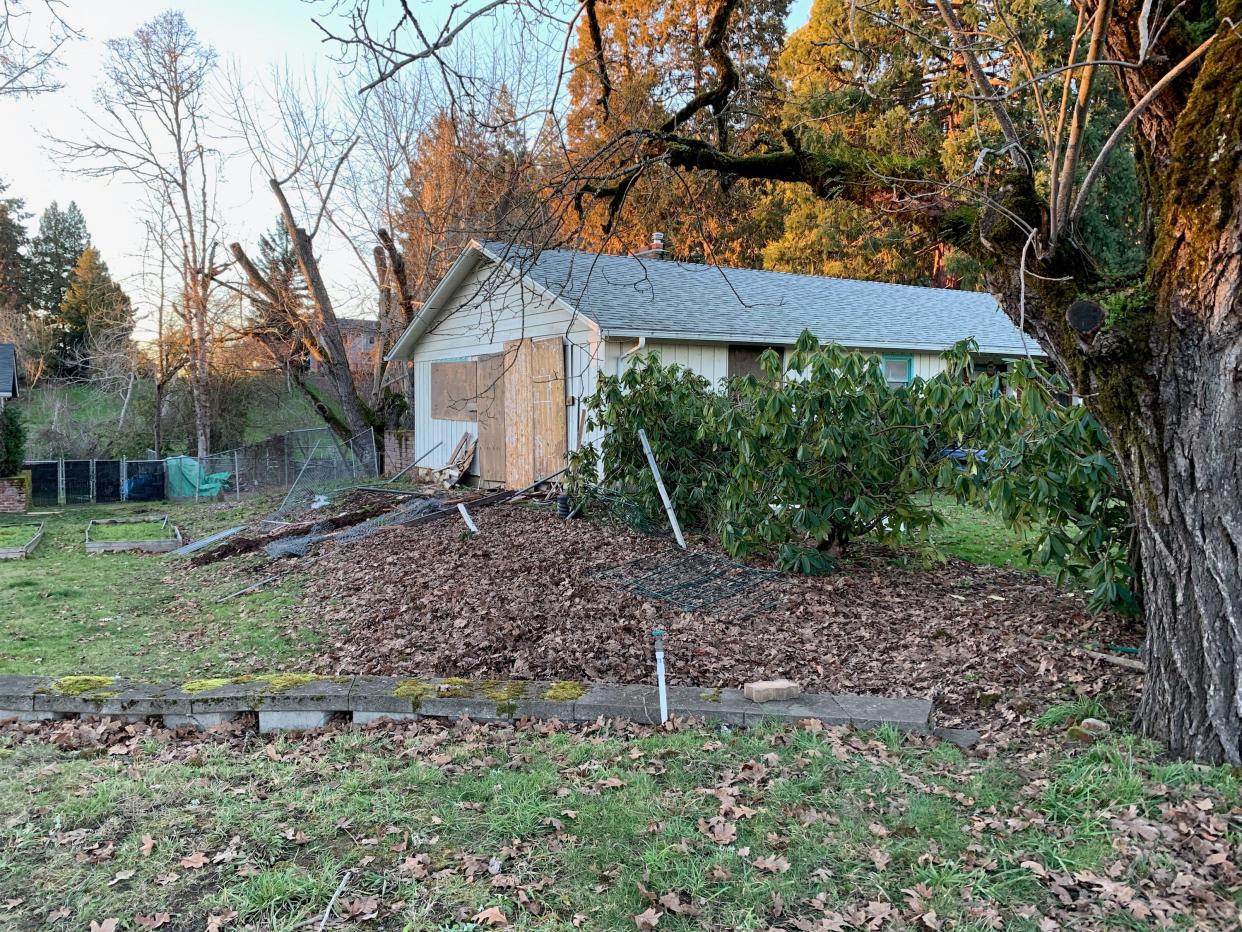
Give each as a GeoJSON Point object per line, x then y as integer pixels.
{"type": "Point", "coordinates": [519, 600]}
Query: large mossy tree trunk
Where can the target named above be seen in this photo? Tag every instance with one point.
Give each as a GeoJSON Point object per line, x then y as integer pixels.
{"type": "Point", "coordinates": [1164, 376]}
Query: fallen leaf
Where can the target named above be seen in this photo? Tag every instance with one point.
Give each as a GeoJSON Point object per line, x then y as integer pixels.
{"type": "Point", "coordinates": [121, 876]}
{"type": "Point", "coordinates": [153, 922]}
{"type": "Point", "coordinates": [771, 864]}
{"type": "Point", "coordinates": [648, 918]}
{"type": "Point", "coordinates": [195, 860]}
{"type": "Point", "coordinates": [108, 925]}
{"type": "Point", "coordinates": [492, 916]}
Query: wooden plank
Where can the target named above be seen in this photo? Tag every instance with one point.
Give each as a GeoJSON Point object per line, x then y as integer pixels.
{"type": "Point", "coordinates": [549, 434]}
{"type": "Point", "coordinates": [490, 389]}
{"type": "Point", "coordinates": [453, 391]}
{"type": "Point", "coordinates": [519, 446]}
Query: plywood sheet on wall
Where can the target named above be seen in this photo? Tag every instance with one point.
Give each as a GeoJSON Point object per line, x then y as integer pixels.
{"type": "Point", "coordinates": [490, 391]}
{"type": "Point", "coordinates": [519, 444]}
{"type": "Point", "coordinates": [549, 434]}
{"type": "Point", "coordinates": [453, 389]}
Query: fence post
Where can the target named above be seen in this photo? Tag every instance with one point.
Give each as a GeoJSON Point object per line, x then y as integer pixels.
{"type": "Point", "coordinates": [236, 476]}
{"type": "Point", "coordinates": [124, 479]}
{"type": "Point", "coordinates": [94, 492]}
{"type": "Point", "coordinates": [60, 481]}
{"type": "Point", "coordinates": [375, 469]}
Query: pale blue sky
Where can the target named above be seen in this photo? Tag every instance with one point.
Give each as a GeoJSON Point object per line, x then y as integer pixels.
{"type": "Point", "coordinates": [254, 33]}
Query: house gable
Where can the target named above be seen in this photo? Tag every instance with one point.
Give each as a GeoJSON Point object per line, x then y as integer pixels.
{"type": "Point", "coordinates": [482, 303]}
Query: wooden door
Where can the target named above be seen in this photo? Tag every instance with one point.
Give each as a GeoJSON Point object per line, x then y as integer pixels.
{"type": "Point", "coordinates": [519, 445]}
{"type": "Point", "coordinates": [549, 433]}
{"type": "Point", "coordinates": [490, 396]}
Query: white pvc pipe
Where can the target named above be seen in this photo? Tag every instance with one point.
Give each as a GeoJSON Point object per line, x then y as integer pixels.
{"type": "Point", "coordinates": [658, 634]}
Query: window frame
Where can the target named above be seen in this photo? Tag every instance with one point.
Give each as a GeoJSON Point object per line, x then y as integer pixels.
{"type": "Point", "coordinates": [886, 358]}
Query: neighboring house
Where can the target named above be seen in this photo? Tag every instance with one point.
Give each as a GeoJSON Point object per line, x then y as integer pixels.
{"type": "Point", "coordinates": [8, 373]}
{"type": "Point", "coordinates": [359, 336]}
{"type": "Point", "coordinates": [510, 341]}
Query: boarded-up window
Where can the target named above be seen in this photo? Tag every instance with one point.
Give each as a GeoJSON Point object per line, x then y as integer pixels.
{"type": "Point", "coordinates": [744, 360]}
{"type": "Point", "coordinates": [454, 391]}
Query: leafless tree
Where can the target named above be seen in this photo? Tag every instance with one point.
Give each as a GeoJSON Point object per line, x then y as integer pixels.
{"type": "Point", "coordinates": [297, 143]}
{"type": "Point", "coordinates": [32, 37]}
{"type": "Point", "coordinates": [150, 128]}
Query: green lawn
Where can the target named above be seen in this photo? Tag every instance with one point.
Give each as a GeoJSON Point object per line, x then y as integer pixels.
{"type": "Point", "coordinates": [63, 611]}
{"type": "Point", "coordinates": [978, 536]}
{"type": "Point", "coordinates": [131, 530]}
{"type": "Point", "coordinates": [16, 535]}
{"type": "Point", "coordinates": [430, 828]}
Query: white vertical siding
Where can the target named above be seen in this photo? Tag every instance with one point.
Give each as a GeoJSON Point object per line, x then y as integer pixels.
{"type": "Point", "coordinates": [428, 430]}
{"type": "Point", "coordinates": [710, 360]}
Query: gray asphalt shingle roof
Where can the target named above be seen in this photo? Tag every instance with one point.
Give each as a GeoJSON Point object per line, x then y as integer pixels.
{"type": "Point", "coordinates": [8, 369]}
{"type": "Point", "coordinates": [654, 297]}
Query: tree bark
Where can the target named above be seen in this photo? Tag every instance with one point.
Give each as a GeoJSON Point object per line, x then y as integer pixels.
{"type": "Point", "coordinates": [1183, 457]}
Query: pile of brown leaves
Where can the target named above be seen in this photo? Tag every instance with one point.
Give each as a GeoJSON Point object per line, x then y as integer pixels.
{"type": "Point", "coordinates": [519, 600]}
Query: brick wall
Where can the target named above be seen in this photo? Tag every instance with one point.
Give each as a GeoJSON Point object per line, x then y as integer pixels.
{"type": "Point", "coordinates": [13, 499]}
{"type": "Point", "coordinates": [398, 450]}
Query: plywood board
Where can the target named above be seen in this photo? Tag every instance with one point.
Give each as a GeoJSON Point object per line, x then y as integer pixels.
{"type": "Point", "coordinates": [519, 445]}
{"type": "Point", "coordinates": [490, 391]}
{"type": "Point", "coordinates": [549, 434]}
{"type": "Point", "coordinates": [453, 391]}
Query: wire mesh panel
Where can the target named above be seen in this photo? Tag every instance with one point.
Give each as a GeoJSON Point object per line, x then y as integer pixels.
{"type": "Point", "coordinates": [107, 480]}
{"type": "Point", "coordinates": [44, 483]}
{"type": "Point", "coordinates": [696, 582]}
{"type": "Point", "coordinates": [78, 482]}
{"type": "Point", "coordinates": [144, 481]}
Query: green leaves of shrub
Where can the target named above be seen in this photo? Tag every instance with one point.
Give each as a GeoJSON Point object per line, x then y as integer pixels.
{"type": "Point", "coordinates": [822, 450]}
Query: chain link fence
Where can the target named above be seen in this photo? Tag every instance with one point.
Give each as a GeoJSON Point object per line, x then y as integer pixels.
{"type": "Point", "coordinates": [313, 458]}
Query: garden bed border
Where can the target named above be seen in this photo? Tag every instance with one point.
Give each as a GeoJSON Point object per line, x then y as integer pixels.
{"type": "Point", "coordinates": [162, 545]}
{"type": "Point", "coordinates": [22, 552]}
{"type": "Point", "coordinates": [297, 702]}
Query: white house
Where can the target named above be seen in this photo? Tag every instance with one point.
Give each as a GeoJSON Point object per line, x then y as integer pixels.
{"type": "Point", "coordinates": [511, 340]}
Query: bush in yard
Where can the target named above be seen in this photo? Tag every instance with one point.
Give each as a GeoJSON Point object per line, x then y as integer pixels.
{"type": "Point", "coordinates": [793, 466]}
{"type": "Point", "coordinates": [821, 452]}
{"type": "Point", "coordinates": [1044, 466]}
{"type": "Point", "coordinates": [12, 441]}
{"type": "Point", "coordinates": [669, 402]}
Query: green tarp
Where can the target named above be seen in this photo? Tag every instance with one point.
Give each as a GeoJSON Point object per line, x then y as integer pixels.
{"type": "Point", "coordinates": [187, 479]}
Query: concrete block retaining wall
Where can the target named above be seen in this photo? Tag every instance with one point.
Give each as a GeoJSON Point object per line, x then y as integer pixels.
{"type": "Point", "coordinates": [295, 702]}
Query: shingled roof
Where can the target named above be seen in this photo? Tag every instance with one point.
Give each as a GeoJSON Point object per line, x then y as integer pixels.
{"type": "Point", "coordinates": [8, 370]}
{"type": "Point", "coordinates": [664, 298]}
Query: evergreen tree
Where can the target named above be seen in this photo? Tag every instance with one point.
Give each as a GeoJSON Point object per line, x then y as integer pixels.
{"type": "Point", "coordinates": [655, 63]}
{"type": "Point", "coordinates": [473, 176]}
{"type": "Point", "coordinates": [55, 249]}
{"type": "Point", "coordinates": [277, 325]}
{"type": "Point", "coordinates": [94, 309]}
{"type": "Point", "coordinates": [13, 284]}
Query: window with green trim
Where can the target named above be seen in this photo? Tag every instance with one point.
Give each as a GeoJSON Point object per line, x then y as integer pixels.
{"type": "Point", "coordinates": [898, 370]}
